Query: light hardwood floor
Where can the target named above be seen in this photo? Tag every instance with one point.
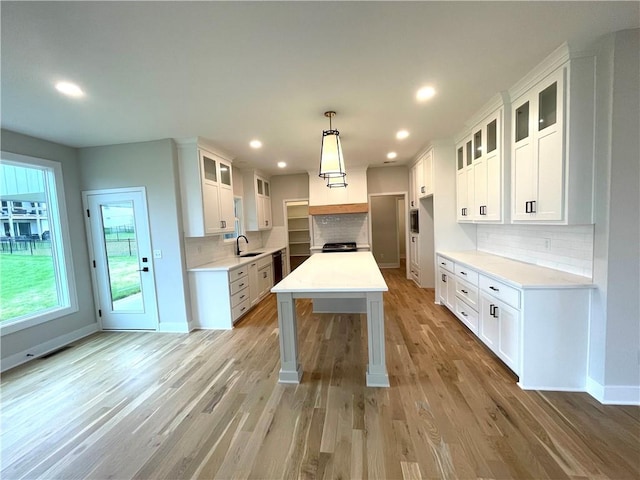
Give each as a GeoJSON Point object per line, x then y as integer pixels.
{"type": "Point", "coordinates": [208, 405]}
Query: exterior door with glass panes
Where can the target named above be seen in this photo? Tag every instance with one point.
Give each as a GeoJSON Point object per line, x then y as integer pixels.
{"type": "Point", "coordinates": [121, 259]}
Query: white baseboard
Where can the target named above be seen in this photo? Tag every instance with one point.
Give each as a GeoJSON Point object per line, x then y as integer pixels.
{"type": "Point", "coordinates": [46, 347]}
{"type": "Point", "coordinates": [614, 394]}
{"type": "Point", "coordinates": [388, 265]}
{"type": "Point", "coordinates": [174, 327]}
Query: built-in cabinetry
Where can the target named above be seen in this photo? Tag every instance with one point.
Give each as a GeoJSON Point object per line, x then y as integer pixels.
{"type": "Point", "coordinates": [207, 191]}
{"type": "Point", "coordinates": [257, 202]}
{"type": "Point", "coordinates": [414, 257]}
{"type": "Point", "coordinates": [220, 297]}
{"type": "Point", "coordinates": [298, 231]}
{"type": "Point", "coordinates": [421, 178]}
{"type": "Point", "coordinates": [533, 318]}
{"type": "Point", "coordinates": [529, 158]}
{"type": "Point", "coordinates": [482, 166]}
{"type": "Point", "coordinates": [552, 141]}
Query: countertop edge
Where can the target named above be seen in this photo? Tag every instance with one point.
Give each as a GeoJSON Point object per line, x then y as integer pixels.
{"type": "Point", "coordinates": [510, 281]}
{"type": "Point", "coordinates": [228, 263]}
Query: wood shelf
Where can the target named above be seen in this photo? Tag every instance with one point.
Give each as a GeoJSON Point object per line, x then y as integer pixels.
{"type": "Point", "coordinates": [339, 209]}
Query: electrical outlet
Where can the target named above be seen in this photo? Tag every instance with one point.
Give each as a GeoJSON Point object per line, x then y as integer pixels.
{"type": "Point", "coordinates": [547, 243]}
{"type": "Point", "coordinates": [157, 254]}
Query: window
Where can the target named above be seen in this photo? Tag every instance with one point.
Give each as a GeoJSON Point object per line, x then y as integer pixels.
{"type": "Point", "coordinates": [36, 274]}
{"type": "Point", "coordinates": [239, 230]}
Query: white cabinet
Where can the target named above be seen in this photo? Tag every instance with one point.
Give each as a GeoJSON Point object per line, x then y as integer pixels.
{"type": "Point", "coordinates": [265, 276]}
{"type": "Point", "coordinates": [219, 298]}
{"type": "Point", "coordinates": [414, 257]}
{"type": "Point", "coordinates": [539, 331]}
{"type": "Point", "coordinates": [500, 323]}
{"type": "Point", "coordinates": [421, 179]}
{"type": "Point", "coordinates": [488, 167]}
{"type": "Point", "coordinates": [464, 181]}
{"type": "Point", "coordinates": [254, 283]}
{"type": "Point", "coordinates": [257, 198]}
{"type": "Point", "coordinates": [552, 142]}
{"type": "Point", "coordinates": [207, 191]}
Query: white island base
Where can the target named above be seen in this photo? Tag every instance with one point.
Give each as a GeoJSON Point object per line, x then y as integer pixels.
{"type": "Point", "coordinates": [333, 276]}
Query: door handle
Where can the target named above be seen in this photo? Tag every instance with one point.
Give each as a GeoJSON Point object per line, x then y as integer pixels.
{"type": "Point", "coordinates": [144, 269]}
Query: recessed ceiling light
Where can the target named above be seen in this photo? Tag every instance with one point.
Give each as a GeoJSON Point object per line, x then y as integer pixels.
{"type": "Point", "coordinates": [69, 89]}
{"type": "Point", "coordinates": [282, 164]}
{"type": "Point", "coordinates": [255, 144]}
{"type": "Point", "coordinates": [391, 155]}
{"type": "Point", "coordinates": [425, 93]}
{"type": "Point", "coordinates": [402, 134]}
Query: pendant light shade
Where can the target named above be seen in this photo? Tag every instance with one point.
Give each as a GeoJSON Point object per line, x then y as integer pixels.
{"type": "Point", "coordinates": [331, 159]}
{"type": "Point", "coordinates": [337, 182]}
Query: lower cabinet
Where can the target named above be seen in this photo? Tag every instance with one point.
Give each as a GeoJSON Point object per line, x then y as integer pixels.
{"type": "Point", "coordinates": [219, 298]}
{"type": "Point", "coordinates": [539, 331]}
{"type": "Point", "coordinates": [500, 329]}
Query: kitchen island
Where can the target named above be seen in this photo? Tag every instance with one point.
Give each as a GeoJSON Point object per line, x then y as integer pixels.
{"type": "Point", "coordinates": [353, 275]}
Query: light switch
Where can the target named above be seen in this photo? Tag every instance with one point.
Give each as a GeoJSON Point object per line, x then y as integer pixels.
{"type": "Point", "coordinates": [157, 254]}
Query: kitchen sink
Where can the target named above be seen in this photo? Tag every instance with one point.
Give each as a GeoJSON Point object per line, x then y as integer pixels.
{"type": "Point", "coordinates": [252, 254]}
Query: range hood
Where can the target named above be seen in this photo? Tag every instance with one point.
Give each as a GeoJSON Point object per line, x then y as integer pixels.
{"type": "Point", "coordinates": [337, 201]}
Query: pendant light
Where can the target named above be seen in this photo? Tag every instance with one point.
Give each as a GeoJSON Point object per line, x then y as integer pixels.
{"type": "Point", "coordinates": [331, 159]}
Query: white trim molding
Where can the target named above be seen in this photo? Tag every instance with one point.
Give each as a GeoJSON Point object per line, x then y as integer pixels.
{"type": "Point", "coordinates": [47, 347]}
{"type": "Point", "coordinates": [614, 394]}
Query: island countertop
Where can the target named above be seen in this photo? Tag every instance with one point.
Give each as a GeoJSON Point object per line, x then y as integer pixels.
{"type": "Point", "coordinates": [335, 272]}
{"type": "Point", "coordinates": [518, 274]}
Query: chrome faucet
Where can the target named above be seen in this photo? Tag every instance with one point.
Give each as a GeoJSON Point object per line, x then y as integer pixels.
{"type": "Point", "coordinates": [238, 243]}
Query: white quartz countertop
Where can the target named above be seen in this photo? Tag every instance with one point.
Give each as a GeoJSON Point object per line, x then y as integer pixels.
{"type": "Point", "coordinates": [335, 272]}
{"type": "Point", "coordinates": [227, 263]}
{"type": "Point", "coordinates": [518, 274]}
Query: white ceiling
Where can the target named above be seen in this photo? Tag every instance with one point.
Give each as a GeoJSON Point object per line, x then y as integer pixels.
{"type": "Point", "coordinates": [234, 71]}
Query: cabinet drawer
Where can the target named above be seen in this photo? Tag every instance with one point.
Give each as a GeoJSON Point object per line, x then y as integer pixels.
{"type": "Point", "coordinates": [263, 262]}
{"type": "Point", "coordinates": [415, 274]}
{"type": "Point", "coordinates": [239, 284]}
{"type": "Point", "coordinates": [239, 297]}
{"type": "Point", "coordinates": [445, 263]}
{"type": "Point", "coordinates": [467, 292]}
{"type": "Point", "coordinates": [467, 315]}
{"type": "Point", "coordinates": [238, 273]}
{"type": "Point", "coordinates": [506, 293]}
{"type": "Point", "coordinates": [467, 274]}
{"type": "Point", "coordinates": [240, 309]}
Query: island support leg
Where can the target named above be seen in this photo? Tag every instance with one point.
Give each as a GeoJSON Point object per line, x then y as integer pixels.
{"type": "Point", "coordinates": [377, 369]}
{"type": "Point", "coordinates": [290, 369]}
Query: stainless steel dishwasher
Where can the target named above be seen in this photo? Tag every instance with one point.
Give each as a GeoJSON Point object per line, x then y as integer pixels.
{"type": "Point", "coordinates": [277, 266]}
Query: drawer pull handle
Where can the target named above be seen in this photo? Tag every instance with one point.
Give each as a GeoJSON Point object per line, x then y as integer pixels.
{"type": "Point", "coordinates": [463, 273]}
{"type": "Point", "coordinates": [464, 291]}
{"type": "Point", "coordinates": [442, 263]}
{"type": "Point", "coordinates": [241, 285]}
{"type": "Point", "coordinates": [494, 288]}
{"type": "Point", "coordinates": [464, 314]}
{"type": "Point", "coordinates": [242, 296]}
{"type": "Point", "coordinates": [243, 309]}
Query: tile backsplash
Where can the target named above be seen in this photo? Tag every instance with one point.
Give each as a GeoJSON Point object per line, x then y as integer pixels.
{"type": "Point", "coordinates": [352, 227]}
{"type": "Point", "coordinates": [201, 250]}
{"type": "Point", "coordinates": [566, 248]}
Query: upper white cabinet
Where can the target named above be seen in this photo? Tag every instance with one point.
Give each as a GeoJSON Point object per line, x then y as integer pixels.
{"type": "Point", "coordinates": [464, 180]}
{"type": "Point", "coordinates": [421, 178]}
{"type": "Point", "coordinates": [552, 142]}
{"type": "Point", "coordinates": [482, 165]}
{"type": "Point", "coordinates": [257, 197]}
{"type": "Point", "coordinates": [206, 189]}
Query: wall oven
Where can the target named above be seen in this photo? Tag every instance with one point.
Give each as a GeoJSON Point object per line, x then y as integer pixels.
{"type": "Point", "coordinates": [413, 221]}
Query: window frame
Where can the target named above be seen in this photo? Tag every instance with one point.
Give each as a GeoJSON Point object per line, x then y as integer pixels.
{"type": "Point", "coordinates": [60, 244]}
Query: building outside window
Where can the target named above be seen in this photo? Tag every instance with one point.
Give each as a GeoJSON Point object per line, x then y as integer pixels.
{"type": "Point", "coordinates": [36, 275]}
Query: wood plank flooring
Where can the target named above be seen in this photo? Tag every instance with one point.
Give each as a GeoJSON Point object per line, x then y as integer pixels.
{"type": "Point", "coordinates": [208, 405]}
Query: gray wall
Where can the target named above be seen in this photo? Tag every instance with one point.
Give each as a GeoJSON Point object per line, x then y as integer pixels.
{"type": "Point", "coordinates": [388, 179]}
{"type": "Point", "coordinates": [152, 165]}
{"type": "Point", "coordinates": [84, 320]}
{"type": "Point", "coordinates": [384, 229]}
{"type": "Point", "coordinates": [615, 325]}
{"type": "Point", "coordinates": [286, 187]}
